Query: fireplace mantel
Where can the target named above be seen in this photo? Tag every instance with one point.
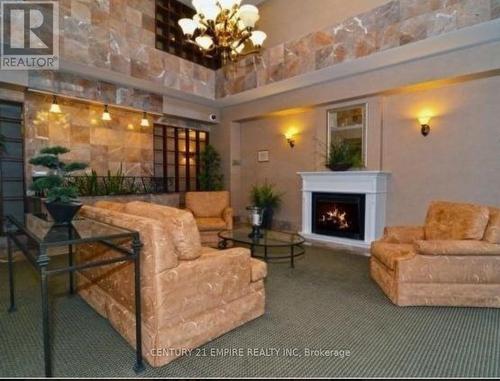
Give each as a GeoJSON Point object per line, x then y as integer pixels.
{"type": "Point", "coordinates": [374, 184]}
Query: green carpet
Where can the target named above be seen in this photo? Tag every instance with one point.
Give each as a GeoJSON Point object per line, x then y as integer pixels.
{"type": "Point", "coordinates": [328, 302]}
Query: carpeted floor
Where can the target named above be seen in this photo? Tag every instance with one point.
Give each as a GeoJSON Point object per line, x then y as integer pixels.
{"type": "Point", "coordinates": [327, 303]}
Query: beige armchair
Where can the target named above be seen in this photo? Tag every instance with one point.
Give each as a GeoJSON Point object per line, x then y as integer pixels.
{"type": "Point", "coordinates": [454, 260]}
{"type": "Point", "coordinates": [190, 294]}
{"type": "Point", "coordinates": [212, 212]}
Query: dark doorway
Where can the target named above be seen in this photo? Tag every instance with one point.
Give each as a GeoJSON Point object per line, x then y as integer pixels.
{"type": "Point", "coordinates": [12, 186]}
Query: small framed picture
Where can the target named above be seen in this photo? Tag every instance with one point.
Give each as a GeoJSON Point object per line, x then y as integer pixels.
{"type": "Point", "coordinates": [263, 156]}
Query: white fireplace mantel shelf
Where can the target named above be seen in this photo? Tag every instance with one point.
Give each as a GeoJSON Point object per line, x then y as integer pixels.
{"type": "Point", "coordinates": [373, 184]}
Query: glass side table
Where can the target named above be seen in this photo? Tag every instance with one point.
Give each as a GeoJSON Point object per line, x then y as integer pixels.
{"type": "Point", "coordinates": [270, 239]}
{"type": "Point", "coordinates": [35, 235]}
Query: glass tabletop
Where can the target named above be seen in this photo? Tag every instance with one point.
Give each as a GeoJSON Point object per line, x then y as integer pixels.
{"type": "Point", "coordinates": [45, 232]}
{"type": "Point", "coordinates": [270, 238]}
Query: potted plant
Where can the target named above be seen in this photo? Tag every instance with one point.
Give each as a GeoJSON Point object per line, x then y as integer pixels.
{"type": "Point", "coordinates": [210, 176]}
{"type": "Point", "coordinates": [61, 198]}
{"type": "Point", "coordinates": [266, 197]}
{"type": "Point", "coordinates": [342, 156]}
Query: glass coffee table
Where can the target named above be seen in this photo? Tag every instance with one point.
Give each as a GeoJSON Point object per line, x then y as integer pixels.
{"type": "Point", "coordinates": [270, 242]}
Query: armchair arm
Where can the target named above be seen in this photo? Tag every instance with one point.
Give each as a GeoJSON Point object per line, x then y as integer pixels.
{"type": "Point", "coordinates": [457, 248]}
{"type": "Point", "coordinates": [403, 234]}
{"type": "Point", "coordinates": [227, 216]}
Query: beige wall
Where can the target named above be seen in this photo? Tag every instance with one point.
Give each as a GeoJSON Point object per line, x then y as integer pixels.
{"type": "Point", "coordinates": [285, 20]}
{"type": "Point", "coordinates": [284, 163]}
{"type": "Point", "coordinates": [460, 160]}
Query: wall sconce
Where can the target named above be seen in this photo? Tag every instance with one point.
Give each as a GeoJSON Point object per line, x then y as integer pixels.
{"type": "Point", "coordinates": [106, 116]}
{"type": "Point", "coordinates": [290, 138]}
{"type": "Point", "coordinates": [54, 107]}
{"type": "Point", "coordinates": [144, 120]}
{"type": "Point", "coordinates": [424, 122]}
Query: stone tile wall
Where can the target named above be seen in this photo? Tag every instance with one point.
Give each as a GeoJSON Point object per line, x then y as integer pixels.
{"type": "Point", "coordinates": [397, 23]}
{"type": "Point", "coordinates": [103, 145]}
{"type": "Point", "coordinates": [99, 91]}
{"type": "Point", "coordinates": [119, 35]}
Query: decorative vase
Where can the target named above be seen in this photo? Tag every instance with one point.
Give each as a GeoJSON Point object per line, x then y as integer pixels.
{"type": "Point", "coordinates": [267, 219]}
{"type": "Point", "coordinates": [63, 213]}
{"type": "Point", "coordinates": [256, 217]}
{"type": "Point", "coordinates": [340, 167]}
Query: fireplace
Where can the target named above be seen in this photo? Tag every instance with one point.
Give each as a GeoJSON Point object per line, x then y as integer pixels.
{"type": "Point", "coordinates": [362, 195]}
{"type": "Point", "coordinates": [339, 215]}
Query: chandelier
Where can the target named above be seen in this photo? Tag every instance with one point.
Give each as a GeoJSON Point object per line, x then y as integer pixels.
{"type": "Point", "coordinates": [224, 27]}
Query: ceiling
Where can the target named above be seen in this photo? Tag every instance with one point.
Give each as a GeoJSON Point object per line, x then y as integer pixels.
{"type": "Point", "coordinates": [254, 2]}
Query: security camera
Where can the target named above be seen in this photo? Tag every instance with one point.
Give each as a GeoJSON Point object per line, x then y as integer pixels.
{"type": "Point", "coordinates": [213, 117]}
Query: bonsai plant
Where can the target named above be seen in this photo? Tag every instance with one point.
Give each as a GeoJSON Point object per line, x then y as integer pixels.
{"type": "Point", "coordinates": [342, 156]}
{"type": "Point", "coordinates": [210, 176]}
{"type": "Point", "coordinates": [61, 198]}
{"type": "Point", "coordinates": [265, 196]}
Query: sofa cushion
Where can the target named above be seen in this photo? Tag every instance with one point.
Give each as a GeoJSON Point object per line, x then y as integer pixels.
{"type": "Point", "coordinates": [158, 250]}
{"type": "Point", "coordinates": [259, 270]}
{"type": "Point", "coordinates": [206, 224]}
{"type": "Point", "coordinates": [454, 221]}
{"type": "Point", "coordinates": [180, 225]}
{"type": "Point", "coordinates": [110, 205]}
{"type": "Point", "coordinates": [469, 247]}
{"type": "Point", "coordinates": [492, 234]}
{"type": "Point", "coordinates": [390, 253]}
{"type": "Point", "coordinates": [207, 204]}
{"type": "Point", "coordinates": [403, 234]}
{"type": "Point", "coordinates": [215, 279]}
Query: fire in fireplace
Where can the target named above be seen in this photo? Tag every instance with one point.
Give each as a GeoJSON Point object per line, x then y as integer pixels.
{"type": "Point", "coordinates": [339, 215]}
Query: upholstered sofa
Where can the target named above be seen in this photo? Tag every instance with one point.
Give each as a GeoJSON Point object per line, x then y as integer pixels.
{"type": "Point", "coordinates": [212, 212]}
{"type": "Point", "coordinates": [454, 260]}
{"type": "Point", "coordinates": [190, 294]}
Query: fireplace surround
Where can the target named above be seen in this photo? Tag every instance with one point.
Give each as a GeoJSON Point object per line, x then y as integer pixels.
{"type": "Point", "coordinates": [346, 208]}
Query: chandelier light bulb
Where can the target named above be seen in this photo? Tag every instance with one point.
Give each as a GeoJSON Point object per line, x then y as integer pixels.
{"type": "Point", "coordinates": [258, 37]}
{"type": "Point", "coordinates": [249, 15]}
{"type": "Point", "coordinates": [106, 116]}
{"type": "Point", "coordinates": [54, 107]}
{"type": "Point", "coordinates": [229, 4]}
{"type": "Point", "coordinates": [211, 12]}
{"type": "Point", "coordinates": [188, 26]}
{"type": "Point", "coordinates": [205, 42]}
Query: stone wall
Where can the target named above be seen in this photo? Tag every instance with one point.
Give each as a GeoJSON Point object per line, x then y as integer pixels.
{"type": "Point", "coordinates": [397, 23]}
{"type": "Point", "coordinates": [99, 91]}
{"type": "Point", "coordinates": [119, 35]}
{"type": "Point", "coordinates": [103, 145]}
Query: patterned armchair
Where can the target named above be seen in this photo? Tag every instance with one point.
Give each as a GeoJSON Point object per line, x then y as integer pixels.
{"type": "Point", "coordinates": [454, 260]}
{"type": "Point", "coordinates": [190, 294]}
{"type": "Point", "coordinates": [212, 212]}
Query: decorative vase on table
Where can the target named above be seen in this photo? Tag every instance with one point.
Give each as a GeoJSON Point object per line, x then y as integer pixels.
{"type": "Point", "coordinates": [61, 202]}
{"type": "Point", "coordinates": [256, 216]}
